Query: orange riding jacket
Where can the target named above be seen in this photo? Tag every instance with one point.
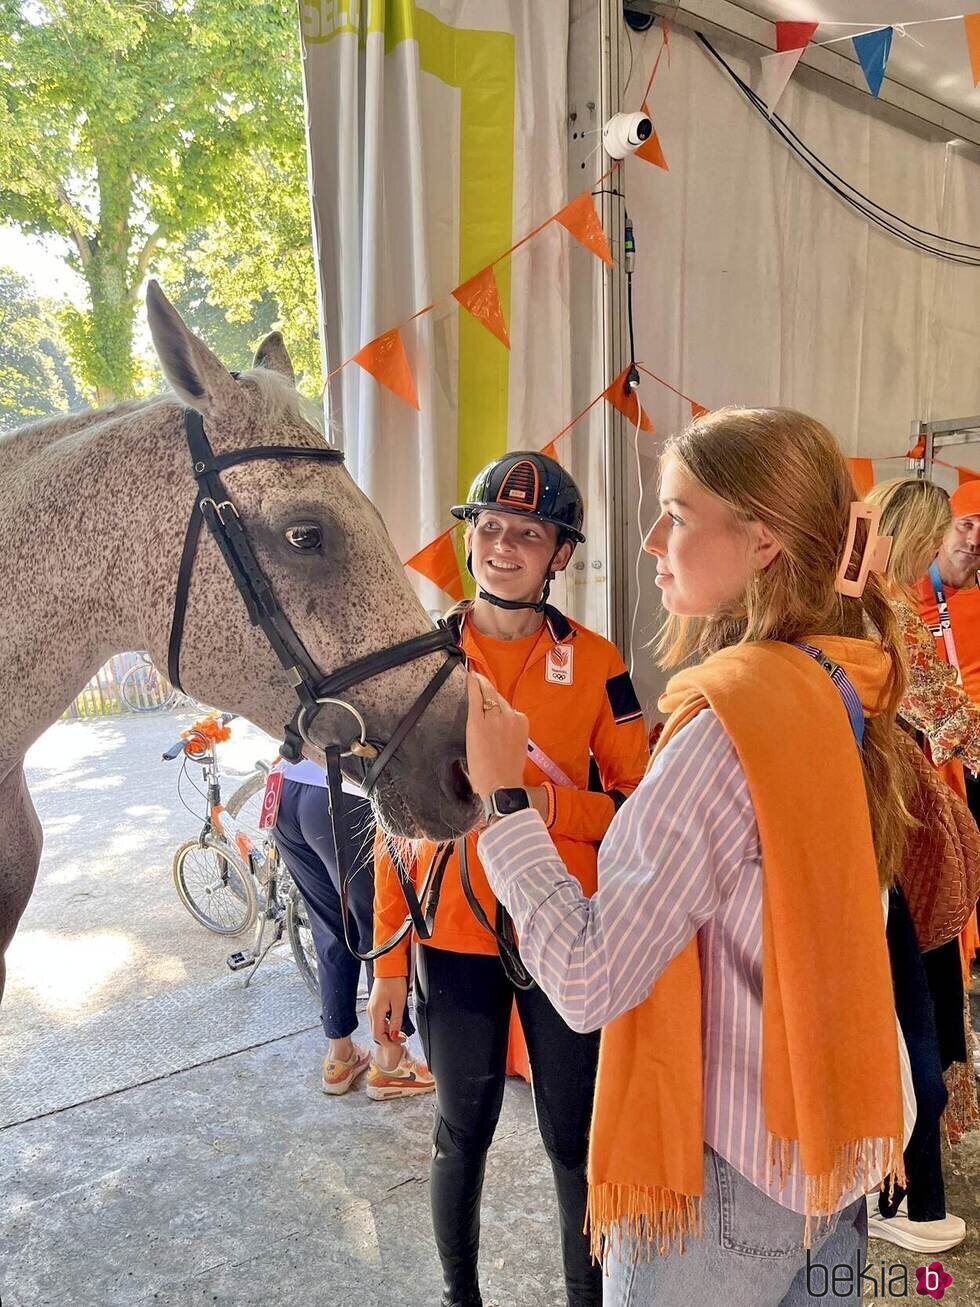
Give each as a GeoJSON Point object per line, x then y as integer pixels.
{"type": "Point", "coordinates": [580, 703]}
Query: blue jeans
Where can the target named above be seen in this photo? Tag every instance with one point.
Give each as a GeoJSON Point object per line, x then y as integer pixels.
{"type": "Point", "coordinates": [751, 1254]}
{"type": "Point", "coordinates": [305, 839]}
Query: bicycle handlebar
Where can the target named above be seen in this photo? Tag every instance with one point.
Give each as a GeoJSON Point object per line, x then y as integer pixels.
{"type": "Point", "coordinates": [177, 748]}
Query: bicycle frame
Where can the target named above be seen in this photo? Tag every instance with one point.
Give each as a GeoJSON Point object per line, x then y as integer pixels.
{"type": "Point", "coordinates": [265, 867]}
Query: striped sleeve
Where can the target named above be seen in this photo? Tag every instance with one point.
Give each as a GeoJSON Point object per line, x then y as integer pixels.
{"type": "Point", "coordinates": [671, 857]}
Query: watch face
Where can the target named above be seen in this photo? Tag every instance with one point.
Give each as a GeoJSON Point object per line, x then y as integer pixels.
{"type": "Point", "coordinates": [508, 801]}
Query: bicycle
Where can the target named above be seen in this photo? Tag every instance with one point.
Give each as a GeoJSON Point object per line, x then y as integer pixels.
{"type": "Point", "coordinates": [230, 877]}
{"type": "Point", "coordinates": [144, 690]}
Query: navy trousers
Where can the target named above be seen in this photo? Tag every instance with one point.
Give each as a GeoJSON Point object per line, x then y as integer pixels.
{"type": "Point", "coordinates": [305, 840]}
{"type": "Point", "coordinates": [925, 1190]}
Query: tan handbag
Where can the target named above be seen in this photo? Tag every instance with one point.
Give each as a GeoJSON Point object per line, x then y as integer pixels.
{"type": "Point", "coordinates": [941, 873]}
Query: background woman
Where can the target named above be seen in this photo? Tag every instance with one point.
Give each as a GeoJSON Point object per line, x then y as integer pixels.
{"type": "Point", "coordinates": [305, 839]}
{"type": "Point", "coordinates": [929, 990]}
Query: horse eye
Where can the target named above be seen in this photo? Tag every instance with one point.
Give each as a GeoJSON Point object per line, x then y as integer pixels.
{"type": "Point", "coordinates": [305, 536]}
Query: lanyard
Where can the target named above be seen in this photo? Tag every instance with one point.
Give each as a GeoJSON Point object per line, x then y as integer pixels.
{"type": "Point", "coordinates": [548, 765]}
{"type": "Point", "coordinates": [945, 621]}
{"type": "Point", "coordinates": [536, 754]}
{"type": "Point", "coordinates": [845, 689]}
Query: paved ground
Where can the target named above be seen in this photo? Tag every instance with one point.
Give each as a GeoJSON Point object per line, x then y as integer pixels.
{"type": "Point", "coordinates": [165, 1140]}
{"type": "Point", "coordinates": [162, 1138]}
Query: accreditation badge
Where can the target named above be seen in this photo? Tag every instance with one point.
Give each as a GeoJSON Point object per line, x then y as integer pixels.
{"type": "Point", "coordinates": [559, 666]}
{"type": "Point", "coordinates": [270, 800]}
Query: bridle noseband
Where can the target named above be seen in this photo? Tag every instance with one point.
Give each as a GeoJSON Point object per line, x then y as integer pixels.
{"type": "Point", "coordinates": [364, 759]}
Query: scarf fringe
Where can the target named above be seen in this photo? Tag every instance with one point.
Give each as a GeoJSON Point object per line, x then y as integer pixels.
{"type": "Point", "coordinates": [852, 1168]}
{"type": "Point", "coordinates": [961, 1114]}
{"type": "Point", "coordinates": [649, 1218]}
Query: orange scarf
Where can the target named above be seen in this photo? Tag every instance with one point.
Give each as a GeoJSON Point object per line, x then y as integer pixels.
{"type": "Point", "coordinates": [831, 1079]}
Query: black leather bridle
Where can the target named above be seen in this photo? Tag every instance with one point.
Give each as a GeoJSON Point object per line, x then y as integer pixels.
{"type": "Point", "coordinates": [361, 759]}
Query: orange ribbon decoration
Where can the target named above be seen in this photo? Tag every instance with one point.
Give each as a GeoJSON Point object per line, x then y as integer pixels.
{"type": "Point", "coordinates": [651, 150]}
{"type": "Point", "coordinates": [481, 297]}
{"type": "Point", "coordinates": [385, 359]}
{"type": "Point", "coordinates": [439, 564]}
{"type": "Point", "coordinates": [627, 404]}
{"type": "Point", "coordinates": [971, 25]}
{"type": "Point", "coordinates": [581, 219]}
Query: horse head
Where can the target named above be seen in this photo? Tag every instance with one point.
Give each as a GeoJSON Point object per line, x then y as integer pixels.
{"type": "Point", "coordinates": [333, 571]}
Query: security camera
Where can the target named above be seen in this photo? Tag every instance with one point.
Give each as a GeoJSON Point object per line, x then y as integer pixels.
{"type": "Point", "coordinates": [624, 133]}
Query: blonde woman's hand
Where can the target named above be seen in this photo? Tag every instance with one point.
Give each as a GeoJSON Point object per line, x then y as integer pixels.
{"type": "Point", "coordinates": [496, 739]}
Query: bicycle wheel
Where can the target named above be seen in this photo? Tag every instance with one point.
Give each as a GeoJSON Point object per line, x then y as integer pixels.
{"type": "Point", "coordinates": [214, 887]}
{"type": "Point", "coordinates": [143, 689]}
{"type": "Point", "coordinates": [300, 938]}
{"type": "Point", "coordinates": [188, 704]}
{"type": "Point", "coordinates": [245, 807]}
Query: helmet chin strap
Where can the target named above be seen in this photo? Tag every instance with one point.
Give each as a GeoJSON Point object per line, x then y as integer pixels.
{"type": "Point", "coordinates": [514, 604]}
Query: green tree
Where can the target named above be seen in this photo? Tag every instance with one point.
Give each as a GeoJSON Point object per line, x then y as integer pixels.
{"type": "Point", "coordinates": [126, 125]}
{"type": "Point", "coordinates": [232, 333]}
{"type": "Point", "coordinates": [35, 377]}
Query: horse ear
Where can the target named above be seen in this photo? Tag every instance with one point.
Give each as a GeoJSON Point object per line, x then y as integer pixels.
{"type": "Point", "coordinates": [274, 355]}
{"type": "Point", "coordinates": [197, 376]}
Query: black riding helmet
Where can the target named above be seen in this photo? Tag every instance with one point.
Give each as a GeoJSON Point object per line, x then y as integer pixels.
{"type": "Point", "coordinates": [526, 482]}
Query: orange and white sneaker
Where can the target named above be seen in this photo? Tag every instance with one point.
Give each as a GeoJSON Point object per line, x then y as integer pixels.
{"type": "Point", "coordinates": [339, 1075]}
{"type": "Point", "coordinates": [409, 1078]}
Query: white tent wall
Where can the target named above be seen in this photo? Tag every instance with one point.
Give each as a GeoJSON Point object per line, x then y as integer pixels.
{"type": "Point", "coordinates": [756, 285]}
{"type": "Point", "coordinates": [437, 138]}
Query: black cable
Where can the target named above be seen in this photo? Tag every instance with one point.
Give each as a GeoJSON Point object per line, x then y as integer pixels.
{"type": "Point", "coordinates": [629, 315]}
{"type": "Point", "coordinates": [816, 165]}
{"type": "Point", "coordinates": [781, 129]}
{"type": "Point", "coordinates": [184, 775]}
{"type": "Point", "coordinates": [923, 231]}
{"type": "Point", "coordinates": [629, 255]}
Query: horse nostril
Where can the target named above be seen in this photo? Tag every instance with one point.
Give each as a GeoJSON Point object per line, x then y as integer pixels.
{"type": "Point", "coordinates": [460, 782]}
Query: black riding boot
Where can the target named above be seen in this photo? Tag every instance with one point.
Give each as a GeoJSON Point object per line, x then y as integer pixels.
{"type": "Point", "coordinates": [455, 1188]}
{"type": "Point", "coordinates": [583, 1277]}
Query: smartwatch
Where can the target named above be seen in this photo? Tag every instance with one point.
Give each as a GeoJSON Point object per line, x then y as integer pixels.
{"type": "Point", "coordinates": [501, 803]}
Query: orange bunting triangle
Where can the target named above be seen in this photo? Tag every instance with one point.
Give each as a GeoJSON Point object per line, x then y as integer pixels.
{"type": "Point", "coordinates": [386, 360]}
{"type": "Point", "coordinates": [481, 297]}
{"type": "Point", "coordinates": [697, 410]}
{"type": "Point", "coordinates": [549, 450]}
{"type": "Point", "coordinates": [582, 220]}
{"type": "Point", "coordinates": [863, 472]}
{"type": "Point", "coordinates": [650, 151]}
{"type": "Point", "coordinates": [628, 405]}
{"type": "Point", "coordinates": [971, 23]}
{"type": "Point", "coordinates": [439, 564]}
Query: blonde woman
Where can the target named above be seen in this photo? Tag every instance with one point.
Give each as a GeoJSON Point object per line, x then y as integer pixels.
{"type": "Point", "coordinates": [742, 1111]}
{"type": "Point", "coordinates": [928, 987]}
{"type": "Point", "coordinates": [916, 514]}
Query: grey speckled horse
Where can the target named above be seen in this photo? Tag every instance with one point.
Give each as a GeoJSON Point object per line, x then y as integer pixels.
{"type": "Point", "coordinates": [93, 510]}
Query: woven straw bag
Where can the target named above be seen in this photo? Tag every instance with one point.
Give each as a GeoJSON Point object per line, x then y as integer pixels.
{"type": "Point", "coordinates": [941, 872]}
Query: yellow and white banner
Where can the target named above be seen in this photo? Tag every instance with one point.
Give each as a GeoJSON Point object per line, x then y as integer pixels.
{"type": "Point", "coordinates": [437, 139]}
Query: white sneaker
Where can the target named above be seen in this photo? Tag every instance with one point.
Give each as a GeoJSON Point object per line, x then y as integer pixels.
{"type": "Point", "coordinates": [919, 1236]}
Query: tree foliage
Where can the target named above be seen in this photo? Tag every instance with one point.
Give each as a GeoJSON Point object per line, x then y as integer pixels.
{"type": "Point", "coordinates": [128, 126]}
{"type": "Point", "coordinates": [35, 376]}
{"type": "Point", "coordinates": [232, 333]}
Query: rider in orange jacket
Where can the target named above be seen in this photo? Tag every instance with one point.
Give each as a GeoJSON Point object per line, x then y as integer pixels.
{"type": "Point", "coordinates": [588, 751]}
